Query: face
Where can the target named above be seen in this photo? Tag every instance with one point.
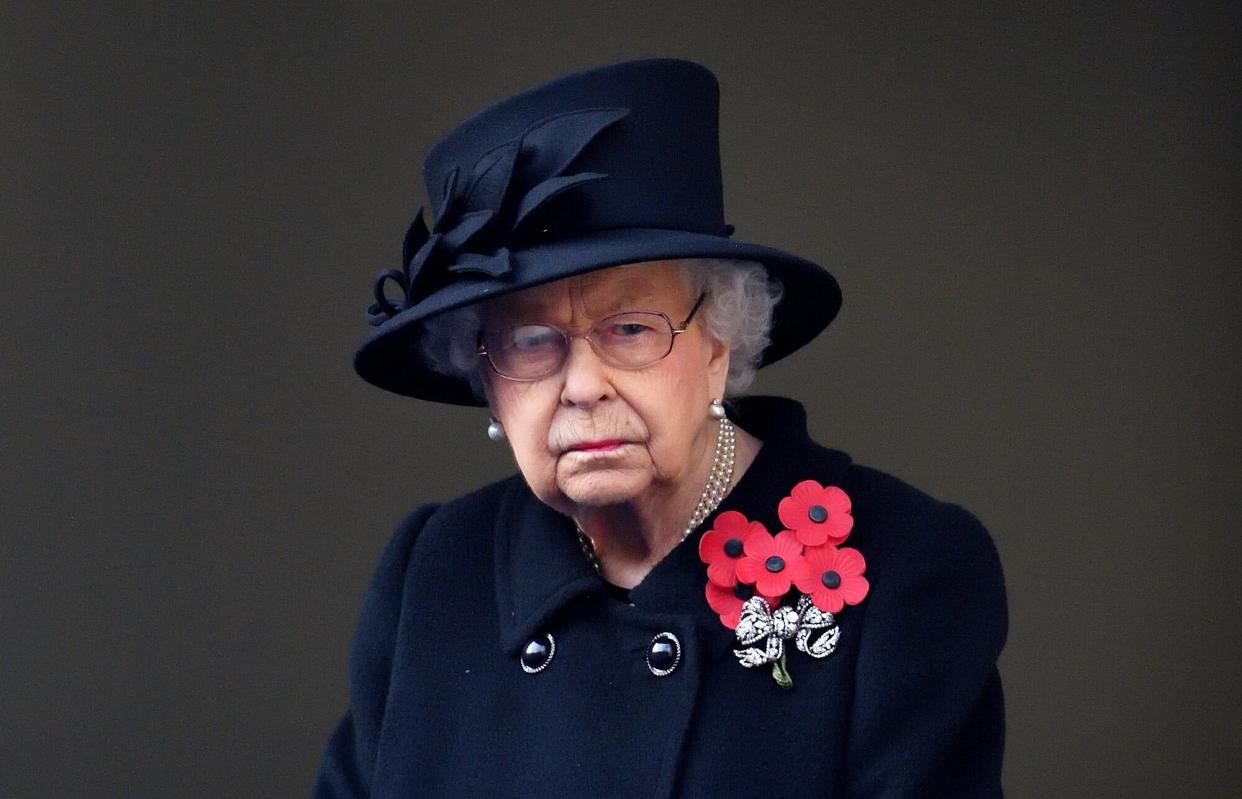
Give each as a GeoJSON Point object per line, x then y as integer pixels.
{"type": "Point", "coordinates": [592, 434]}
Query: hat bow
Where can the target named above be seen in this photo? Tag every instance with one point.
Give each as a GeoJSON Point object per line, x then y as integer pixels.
{"type": "Point", "coordinates": [476, 225]}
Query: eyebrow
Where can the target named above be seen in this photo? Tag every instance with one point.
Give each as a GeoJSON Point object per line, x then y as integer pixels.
{"type": "Point", "coordinates": [631, 294]}
{"type": "Point", "coordinates": [615, 304]}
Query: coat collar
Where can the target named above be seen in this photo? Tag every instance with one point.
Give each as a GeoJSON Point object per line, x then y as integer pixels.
{"type": "Point", "coordinates": [540, 568]}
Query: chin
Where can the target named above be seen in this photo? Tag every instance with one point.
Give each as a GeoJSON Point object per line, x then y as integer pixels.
{"type": "Point", "coordinates": [602, 488]}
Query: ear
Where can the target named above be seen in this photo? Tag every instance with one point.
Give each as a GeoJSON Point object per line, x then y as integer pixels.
{"type": "Point", "coordinates": [488, 394]}
{"type": "Point", "coordinates": [718, 354]}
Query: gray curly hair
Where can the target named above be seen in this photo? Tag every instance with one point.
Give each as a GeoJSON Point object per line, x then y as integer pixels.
{"type": "Point", "coordinates": [737, 311]}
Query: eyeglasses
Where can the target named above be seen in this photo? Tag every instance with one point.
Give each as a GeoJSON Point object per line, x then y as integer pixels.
{"type": "Point", "coordinates": [629, 340]}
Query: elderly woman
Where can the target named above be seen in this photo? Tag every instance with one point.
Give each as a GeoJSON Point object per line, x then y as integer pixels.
{"type": "Point", "coordinates": [681, 594]}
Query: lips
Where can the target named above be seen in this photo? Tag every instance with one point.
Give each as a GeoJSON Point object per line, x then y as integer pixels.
{"type": "Point", "coordinates": [603, 445]}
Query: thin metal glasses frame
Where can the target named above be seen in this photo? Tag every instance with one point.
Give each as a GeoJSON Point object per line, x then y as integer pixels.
{"type": "Point", "coordinates": [568, 337]}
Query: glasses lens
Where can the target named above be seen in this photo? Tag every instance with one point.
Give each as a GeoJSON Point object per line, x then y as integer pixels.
{"type": "Point", "coordinates": [633, 340]}
{"type": "Point", "coordinates": [526, 352]}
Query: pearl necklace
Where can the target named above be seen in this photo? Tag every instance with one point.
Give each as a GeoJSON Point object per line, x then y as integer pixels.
{"type": "Point", "coordinates": [717, 486]}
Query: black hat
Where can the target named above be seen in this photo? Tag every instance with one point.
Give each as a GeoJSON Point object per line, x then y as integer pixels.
{"type": "Point", "coordinates": [610, 166]}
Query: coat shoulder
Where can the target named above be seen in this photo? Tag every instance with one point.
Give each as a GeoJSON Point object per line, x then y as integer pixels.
{"type": "Point", "coordinates": [467, 509]}
{"type": "Point", "coordinates": [897, 523]}
{"type": "Point", "coordinates": [459, 538]}
{"type": "Point", "coordinates": [879, 490]}
{"type": "Point", "coordinates": [890, 500]}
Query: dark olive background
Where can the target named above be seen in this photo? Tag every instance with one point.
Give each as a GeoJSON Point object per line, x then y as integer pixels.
{"type": "Point", "coordinates": [1034, 215]}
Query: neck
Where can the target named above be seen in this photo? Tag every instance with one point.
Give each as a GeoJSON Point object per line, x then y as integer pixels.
{"type": "Point", "coordinates": [630, 538]}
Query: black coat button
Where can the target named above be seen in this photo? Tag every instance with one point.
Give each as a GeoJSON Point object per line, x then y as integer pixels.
{"type": "Point", "coordinates": [663, 654]}
{"type": "Point", "coordinates": [537, 654]}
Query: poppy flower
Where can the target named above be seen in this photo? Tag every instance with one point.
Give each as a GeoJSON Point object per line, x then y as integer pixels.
{"type": "Point", "coordinates": [817, 514]}
{"type": "Point", "coordinates": [833, 578]}
{"type": "Point", "coordinates": [722, 546]}
{"type": "Point", "coordinates": [727, 602]}
{"type": "Point", "coordinates": [770, 563]}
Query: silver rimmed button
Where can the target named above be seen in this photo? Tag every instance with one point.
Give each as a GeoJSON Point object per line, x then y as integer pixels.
{"type": "Point", "coordinates": [537, 654]}
{"type": "Point", "coordinates": [663, 654]}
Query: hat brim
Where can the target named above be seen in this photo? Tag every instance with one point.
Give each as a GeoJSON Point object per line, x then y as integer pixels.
{"type": "Point", "coordinates": [390, 359]}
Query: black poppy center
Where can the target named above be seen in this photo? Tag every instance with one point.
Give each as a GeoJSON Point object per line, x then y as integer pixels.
{"type": "Point", "coordinates": [733, 547]}
{"type": "Point", "coordinates": [743, 591]}
{"type": "Point", "coordinates": [831, 579]}
{"type": "Point", "coordinates": [817, 514]}
{"type": "Point", "coordinates": [774, 563]}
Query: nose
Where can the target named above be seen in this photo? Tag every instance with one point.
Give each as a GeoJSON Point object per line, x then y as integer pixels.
{"type": "Point", "coordinates": [587, 380]}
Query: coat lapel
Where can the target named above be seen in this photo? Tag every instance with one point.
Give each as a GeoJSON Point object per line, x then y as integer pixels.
{"type": "Point", "coordinates": [539, 566]}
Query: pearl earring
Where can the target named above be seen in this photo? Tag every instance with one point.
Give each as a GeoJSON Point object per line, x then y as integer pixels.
{"type": "Point", "coordinates": [495, 430]}
{"type": "Point", "coordinates": [716, 410]}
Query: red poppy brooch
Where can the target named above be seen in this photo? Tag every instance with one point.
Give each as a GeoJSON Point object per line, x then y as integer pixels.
{"type": "Point", "coordinates": [752, 574]}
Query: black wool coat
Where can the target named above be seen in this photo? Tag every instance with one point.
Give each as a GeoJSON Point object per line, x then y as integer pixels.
{"type": "Point", "coordinates": [908, 705]}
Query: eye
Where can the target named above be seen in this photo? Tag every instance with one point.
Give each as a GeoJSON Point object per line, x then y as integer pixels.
{"type": "Point", "coordinates": [532, 338]}
{"type": "Point", "coordinates": [630, 329]}
{"type": "Point", "coordinates": [625, 331]}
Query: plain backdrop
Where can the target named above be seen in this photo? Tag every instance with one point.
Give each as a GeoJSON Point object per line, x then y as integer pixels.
{"type": "Point", "coordinates": [1033, 212]}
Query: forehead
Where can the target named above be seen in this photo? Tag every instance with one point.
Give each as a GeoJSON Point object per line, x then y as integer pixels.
{"type": "Point", "coordinates": [653, 286]}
